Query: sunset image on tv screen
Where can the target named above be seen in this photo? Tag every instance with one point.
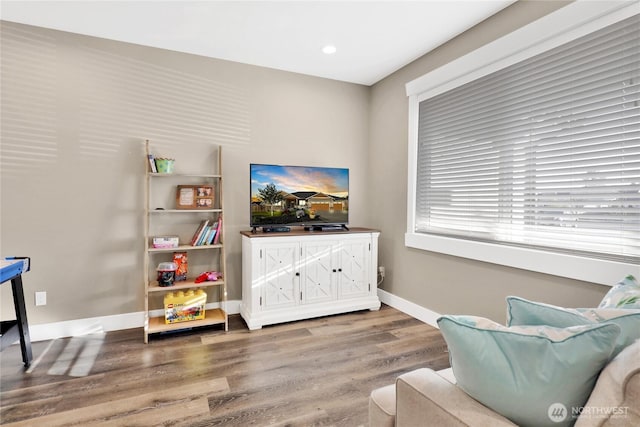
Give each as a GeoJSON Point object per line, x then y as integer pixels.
{"type": "Point", "coordinates": [298, 195]}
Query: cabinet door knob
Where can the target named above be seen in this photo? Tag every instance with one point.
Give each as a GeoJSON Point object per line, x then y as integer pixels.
{"type": "Point", "coordinates": [297, 273]}
{"type": "Point", "coordinates": [334, 270]}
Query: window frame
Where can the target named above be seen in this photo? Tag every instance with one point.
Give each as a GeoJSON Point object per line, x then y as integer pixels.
{"type": "Point", "coordinates": [530, 40]}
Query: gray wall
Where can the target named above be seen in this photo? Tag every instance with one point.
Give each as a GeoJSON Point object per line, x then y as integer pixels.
{"type": "Point", "coordinates": [76, 109]}
{"type": "Point", "coordinates": [442, 283]}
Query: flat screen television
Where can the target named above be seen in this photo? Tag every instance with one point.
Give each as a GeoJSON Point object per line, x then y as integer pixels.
{"type": "Point", "coordinates": [310, 196]}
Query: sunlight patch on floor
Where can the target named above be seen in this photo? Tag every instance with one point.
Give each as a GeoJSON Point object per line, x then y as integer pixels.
{"type": "Point", "coordinates": [78, 356]}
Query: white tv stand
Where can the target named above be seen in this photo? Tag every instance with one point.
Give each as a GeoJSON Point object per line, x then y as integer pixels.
{"type": "Point", "coordinates": [304, 274]}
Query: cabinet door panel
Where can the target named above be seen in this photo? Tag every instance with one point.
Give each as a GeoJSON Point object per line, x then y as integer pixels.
{"type": "Point", "coordinates": [317, 284]}
{"type": "Point", "coordinates": [279, 276]}
{"type": "Point", "coordinates": [353, 268]}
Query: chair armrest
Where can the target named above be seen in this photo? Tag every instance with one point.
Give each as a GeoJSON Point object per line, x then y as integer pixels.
{"type": "Point", "coordinates": [423, 395]}
{"type": "Point", "coordinates": [616, 393]}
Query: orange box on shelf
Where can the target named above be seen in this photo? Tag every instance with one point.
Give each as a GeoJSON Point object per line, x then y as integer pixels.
{"type": "Point", "coordinates": [184, 306]}
{"type": "Point", "coordinates": [182, 262]}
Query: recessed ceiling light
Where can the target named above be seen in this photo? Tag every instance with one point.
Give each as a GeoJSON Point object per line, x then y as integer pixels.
{"type": "Point", "coordinates": [329, 49]}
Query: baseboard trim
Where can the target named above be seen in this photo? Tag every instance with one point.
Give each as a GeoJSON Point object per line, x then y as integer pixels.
{"type": "Point", "coordinates": [414, 310]}
{"type": "Point", "coordinates": [79, 327]}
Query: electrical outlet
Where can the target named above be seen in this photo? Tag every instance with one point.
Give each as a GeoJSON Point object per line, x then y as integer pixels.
{"type": "Point", "coordinates": [381, 271]}
{"type": "Point", "coordinates": [41, 298]}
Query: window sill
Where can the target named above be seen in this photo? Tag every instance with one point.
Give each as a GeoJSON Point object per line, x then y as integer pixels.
{"type": "Point", "coordinates": [574, 267]}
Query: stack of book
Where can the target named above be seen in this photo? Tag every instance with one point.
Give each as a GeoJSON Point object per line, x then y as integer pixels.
{"type": "Point", "coordinates": [207, 233]}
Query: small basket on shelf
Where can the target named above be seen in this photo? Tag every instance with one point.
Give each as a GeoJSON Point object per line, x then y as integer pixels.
{"type": "Point", "coordinates": [164, 165]}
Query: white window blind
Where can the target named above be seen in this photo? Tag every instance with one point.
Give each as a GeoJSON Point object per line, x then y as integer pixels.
{"type": "Point", "coordinates": [542, 154]}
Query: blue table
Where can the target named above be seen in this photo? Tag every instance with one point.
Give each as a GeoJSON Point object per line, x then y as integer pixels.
{"type": "Point", "coordinates": [11, 269]}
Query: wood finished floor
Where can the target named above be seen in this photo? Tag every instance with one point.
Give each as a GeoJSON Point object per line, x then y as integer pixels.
{"type": "Point", "coordinates": [316, 372]}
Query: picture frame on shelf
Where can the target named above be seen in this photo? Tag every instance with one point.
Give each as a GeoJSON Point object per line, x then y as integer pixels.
{"type": "Point", "coordinates": [195, 197]}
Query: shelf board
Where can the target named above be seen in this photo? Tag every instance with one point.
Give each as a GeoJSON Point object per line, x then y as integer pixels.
{"type": "Point", "coordinates": [214, 316]}
{"type": "Point", "coordinates": [185, 211]}
{"type": "Point", "coordinates": [185, 248]}
{"type": "Point", "coordinates": [183, 284]}
{"type": "Point", "coordinates": [186, 175]}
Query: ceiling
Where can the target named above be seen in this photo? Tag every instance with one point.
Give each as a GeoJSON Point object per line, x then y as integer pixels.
{"type": "Point", "coordinates": [372, 38]}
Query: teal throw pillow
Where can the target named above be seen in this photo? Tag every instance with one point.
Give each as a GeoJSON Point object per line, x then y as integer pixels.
{"type": "Point", "coordinates": [524, 312]}
{"type": "Point", "coordinates": [534, 375]}
{"type": "Point", "coordinates": [625, 294]}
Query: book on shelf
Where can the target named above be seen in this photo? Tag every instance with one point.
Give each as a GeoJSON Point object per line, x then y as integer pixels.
{"type": "Point", "coordinates": [199, 231]}
{"type": "Point", "coordinates": [207, 233]}
{"type": "Point", "coordinates": [203, 236]}
{"type": "Point", "coordinates": [216, 239]}
{"type": "Point", "coordinates": [211, 236]}
{"type": "Point", "coordinates": [152, 164]}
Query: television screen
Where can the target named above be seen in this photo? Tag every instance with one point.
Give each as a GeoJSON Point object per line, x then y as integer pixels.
{"type": "Point", "coordinates": [298, 195]}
